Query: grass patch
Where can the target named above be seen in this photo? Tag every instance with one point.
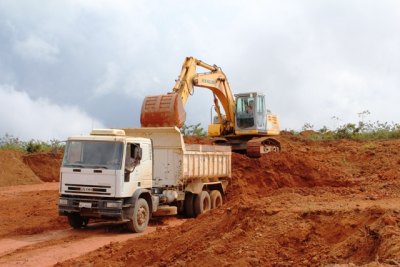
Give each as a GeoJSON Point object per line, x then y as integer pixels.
{"type": "Point", "coordinates": [360, 131]}
{"type": "Point", "coordinates": [8, 142]}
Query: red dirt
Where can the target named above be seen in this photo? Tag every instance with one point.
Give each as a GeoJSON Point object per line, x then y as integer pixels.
{"type": "Point", "coordinates": [45, 165]}
{"type": "Point", "coordinates": [32, 212]}
{"type": "Point", "coordinates": [13, 171]}
{"type": "Point", "coordinates": [315, 203]}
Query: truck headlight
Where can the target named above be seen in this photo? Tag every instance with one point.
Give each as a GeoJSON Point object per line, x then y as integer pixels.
{"type": "Point", "coordinates": [63, 202]}
{"type": "Point", "coordinates": [115, 205]}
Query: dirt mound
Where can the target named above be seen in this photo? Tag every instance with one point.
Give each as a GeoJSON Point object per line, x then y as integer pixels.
{"type": "Point", "coordinates": [45, 165]}
{"type": "Point", "coordinates": [13, 171]}
{"type": "Point", "coordinates": [259, 235]}
{"type": "Point", "coordinates": [192, 139]}
{"type": "Point", "coordinates": [33, 208]}
{"type": "Point", "coordinates": [255, 177]}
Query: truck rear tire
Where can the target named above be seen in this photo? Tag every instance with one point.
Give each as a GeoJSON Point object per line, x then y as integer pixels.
{"type": "Point", "coordinates": [202, 203]}
{"type": "Point", "coordinates": [75, 220]}
{"type": "Point", "coordinates": [216, 199]}
{"type": "Point", "coordinates": [141, 216]}
{"type": "Point", "coordinates": [189, 209]}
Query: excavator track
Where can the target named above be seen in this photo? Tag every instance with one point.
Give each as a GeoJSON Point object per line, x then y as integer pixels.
{"type": "Point", "coordinates": [262, 145]}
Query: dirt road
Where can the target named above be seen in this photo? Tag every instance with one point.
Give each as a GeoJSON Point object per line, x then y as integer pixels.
{"type": "Point", "coordinates": [35, 236]}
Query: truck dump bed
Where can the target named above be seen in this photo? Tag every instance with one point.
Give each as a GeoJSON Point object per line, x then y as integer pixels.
{"type": "Point", "coordinates": [176, 163]}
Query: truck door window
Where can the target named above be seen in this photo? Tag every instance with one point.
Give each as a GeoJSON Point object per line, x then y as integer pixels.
{"type": "Point", "coordinates": [260, 115]}
{"type": "Point", "coordinates": [133, 156]}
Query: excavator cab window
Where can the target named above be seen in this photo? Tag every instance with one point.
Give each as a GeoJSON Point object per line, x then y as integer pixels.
{"type": "Point", "coordinates": [260, 112]}
{"type": "Point", "coordinates": [245, 108]}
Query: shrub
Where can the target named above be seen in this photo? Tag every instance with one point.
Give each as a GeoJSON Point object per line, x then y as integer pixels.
{"type": "Point", "coordinates": [193, 130]}
{"type": "Point", "coordinates": [8, 142]}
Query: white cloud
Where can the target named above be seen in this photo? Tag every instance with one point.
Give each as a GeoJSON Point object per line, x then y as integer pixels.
{"type": "Point", "coordinates": [36, 48]}
{"type": "Point", "coordinates": [27, 118]}
{"type": "Point", "coordinates": [109, 82]}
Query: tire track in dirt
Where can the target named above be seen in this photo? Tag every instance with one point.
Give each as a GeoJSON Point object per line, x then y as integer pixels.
{"type": "Point", "coordinates": [32, 233]}
{"type": "Point", "coordinates": [51, 247]}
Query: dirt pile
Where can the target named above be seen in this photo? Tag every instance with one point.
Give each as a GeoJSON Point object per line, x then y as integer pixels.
{"type": "Point", "coordinates": [45, 165]}
{"type": "Point", "coordinates": [13, 171]}
{"type": "Point", "coordinates": [257, 177]}
{"type": "Point", "coordinates": [17, 168]}
{"type": "Point", "coordinates": [33, 211]}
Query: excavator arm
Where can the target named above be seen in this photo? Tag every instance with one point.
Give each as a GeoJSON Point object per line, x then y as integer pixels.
{"type": "Point", "coordinates": [167, 110]}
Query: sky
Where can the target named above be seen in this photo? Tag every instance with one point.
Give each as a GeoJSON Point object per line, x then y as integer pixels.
{"type": "Point", "coordinates": [67, 67]}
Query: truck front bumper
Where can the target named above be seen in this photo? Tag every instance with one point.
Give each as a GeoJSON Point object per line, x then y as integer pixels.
{"type": "Point", "coordinates": [91, 207]}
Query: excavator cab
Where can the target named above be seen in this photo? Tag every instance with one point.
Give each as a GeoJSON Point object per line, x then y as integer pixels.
{"type": "Point", "coordinates": [250, 112]}
{"type": "Point", "coordinates": [253, 117]}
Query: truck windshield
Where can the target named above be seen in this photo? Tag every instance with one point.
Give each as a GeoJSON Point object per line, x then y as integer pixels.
{"type": "Point", "coordinates": [93, 154]}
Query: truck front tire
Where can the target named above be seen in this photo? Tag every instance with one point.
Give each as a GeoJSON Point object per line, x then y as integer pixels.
{"type": "Point", "coordinates": [75, 220]}
{"type": "Point", "coordinates": [141, 216]}
{"type": "Point", "coordinates": [202, 203]}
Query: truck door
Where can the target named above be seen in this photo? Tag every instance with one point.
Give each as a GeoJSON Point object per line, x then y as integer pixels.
{"type": "Point", "coordinates": [138, 167]}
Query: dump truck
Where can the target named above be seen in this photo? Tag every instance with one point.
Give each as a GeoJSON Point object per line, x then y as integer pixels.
{"type": "Point", "coordinates": [247, 125]}
{"type": "Point", "coordinates": [131, 174]}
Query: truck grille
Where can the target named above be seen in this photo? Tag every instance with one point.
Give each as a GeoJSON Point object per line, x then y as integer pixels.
{"type": "Point", "coordinates": [88, 189]}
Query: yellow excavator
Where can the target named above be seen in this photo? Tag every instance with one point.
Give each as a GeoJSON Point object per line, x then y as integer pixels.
{"type": "Point", "coordinates": [246, 125]}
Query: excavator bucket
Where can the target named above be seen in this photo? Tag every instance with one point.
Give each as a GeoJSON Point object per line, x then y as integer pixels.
{"type": "Point", "coordinates": [163, 111]}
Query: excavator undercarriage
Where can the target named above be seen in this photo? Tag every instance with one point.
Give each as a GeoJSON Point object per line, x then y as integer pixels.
{"type": "Point", "coordinates": [253, 147]}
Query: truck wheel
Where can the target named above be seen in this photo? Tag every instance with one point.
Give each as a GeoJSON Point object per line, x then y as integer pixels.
{"type": "Point", "coordinates": [202, 203]}
{"type": "Point", "coordinates": [75, 220]}
{"type": "Point", "coordinates": [189, 209]}
{"type": "Point", "coordinates": [141, 216]}
{"type": "Point", "coordinates": [216, 199]}
{"type": "Point", "coordinates": [85, 221]}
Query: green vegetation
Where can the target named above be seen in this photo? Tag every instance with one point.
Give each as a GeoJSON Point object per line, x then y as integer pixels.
{"type": "Point", "coordinates": [356, 131]}
{"type": "Point", "coordinates": [360, 131]}
{"type": "Point", "coordinates": [193, 130]}
{"type": "Point", "coordinates": [8, 142]}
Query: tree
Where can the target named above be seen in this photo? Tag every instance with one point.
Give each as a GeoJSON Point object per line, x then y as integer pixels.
{"type": "Point", "coordinates": [193, 130]}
